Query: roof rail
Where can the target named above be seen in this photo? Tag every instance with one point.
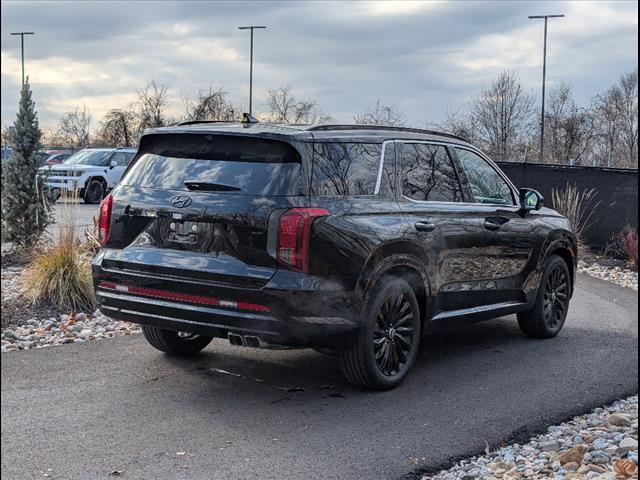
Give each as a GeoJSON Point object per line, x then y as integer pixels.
{"type": "Point", "coordinates": [195, 122]}
{"type": "Point", "coordinates": [384, 127]}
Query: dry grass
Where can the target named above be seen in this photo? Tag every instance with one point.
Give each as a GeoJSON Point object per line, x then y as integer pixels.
{"type": "Point", "coordinates": [59, 271]}
{"type": "Point", "coordinates": [624, 245]}
{"type": "Point", "coordinates": [578, 206]}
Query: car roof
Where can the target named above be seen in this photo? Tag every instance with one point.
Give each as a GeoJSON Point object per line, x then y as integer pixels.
{"type": "Point", "coordinates": [316, 132]}
{"type": "Point", "coordinates": [111, 149]}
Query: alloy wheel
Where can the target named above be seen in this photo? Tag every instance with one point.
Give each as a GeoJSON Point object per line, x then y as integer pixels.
{"type": "Point", "coordinates": [555, 297]}
{"type": "Point", "coordinates": [393, 334]}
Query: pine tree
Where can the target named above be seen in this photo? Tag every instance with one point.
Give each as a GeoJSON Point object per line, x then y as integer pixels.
{"type": "Point", "coordinates": [26, 210]}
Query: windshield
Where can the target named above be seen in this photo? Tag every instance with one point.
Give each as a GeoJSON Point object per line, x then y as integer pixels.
{"type": "Point", "coordinates": [88, 157]}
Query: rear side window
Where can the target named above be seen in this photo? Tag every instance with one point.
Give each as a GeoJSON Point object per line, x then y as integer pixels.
{"type": "Point", "coordinates": [220, 164]}
{"type": "Point", "coordinates": [428, 173]}
{"type": "Point", "coordinates": [346, 169]}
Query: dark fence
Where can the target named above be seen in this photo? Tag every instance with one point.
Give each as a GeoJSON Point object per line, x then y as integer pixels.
{"type": "Point", "coordinates": [616, 190]}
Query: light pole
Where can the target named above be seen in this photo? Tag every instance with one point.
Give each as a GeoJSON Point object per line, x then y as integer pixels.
{"type": "Point", "coordinates": [544, 74]}
{"type": "Point", "coordinates": [22, 34]}
{"type": "Point", "coordinates": [251, 27]}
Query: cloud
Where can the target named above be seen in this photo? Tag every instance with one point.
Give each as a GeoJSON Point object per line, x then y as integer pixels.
{"type": "Point", "coordinates": [422, 56]}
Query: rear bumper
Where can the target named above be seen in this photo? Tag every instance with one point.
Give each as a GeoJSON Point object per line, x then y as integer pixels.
{"type": "Point", "coordinates": [291, 316]}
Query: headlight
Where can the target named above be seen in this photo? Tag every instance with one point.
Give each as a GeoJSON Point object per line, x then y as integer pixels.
{"type": "Point", "coordinates": [78, 173]}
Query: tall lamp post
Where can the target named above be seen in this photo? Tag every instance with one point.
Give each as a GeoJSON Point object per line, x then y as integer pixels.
{"type": "Point", "coordinates": [251, 27]}
{"type": "Point", "coordinates": [22, 34]}
{"type": "Point", "coordinates": [544, 74]}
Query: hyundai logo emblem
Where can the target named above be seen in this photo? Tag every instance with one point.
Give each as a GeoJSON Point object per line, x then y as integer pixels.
{"type": "Point", "coordinates": [181, 201]}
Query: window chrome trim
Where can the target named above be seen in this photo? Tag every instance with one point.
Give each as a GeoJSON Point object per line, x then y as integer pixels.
{"type": "Point", "coordinates": [376, 190]}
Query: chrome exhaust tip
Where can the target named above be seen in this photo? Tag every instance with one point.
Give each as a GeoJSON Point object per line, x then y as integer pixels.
{"type": "Point", "coordinates": [235, 339]}
{"type": "Point", "coordinates": [251, 341]}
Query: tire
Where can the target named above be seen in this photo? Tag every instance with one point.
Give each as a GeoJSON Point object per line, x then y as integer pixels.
{"type": "Point", "coordinates": [547, 317]}
{"type": "Point", "coordinates": [94, 192]}
{"type": "Point", "coordinates": [392, 321]}
{"type": "Point", "coordinates": [174, 343]}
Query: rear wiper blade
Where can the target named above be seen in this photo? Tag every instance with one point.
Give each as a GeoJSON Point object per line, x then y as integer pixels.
{"type": "Point", "coordinates": [210, 187]}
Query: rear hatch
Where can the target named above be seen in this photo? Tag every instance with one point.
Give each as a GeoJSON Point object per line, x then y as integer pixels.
{"type": "Point", "coordinates": [196, 207]}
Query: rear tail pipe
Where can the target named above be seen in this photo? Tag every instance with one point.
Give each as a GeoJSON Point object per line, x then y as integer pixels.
{"type": "Point", "coordinates": [245, 340]}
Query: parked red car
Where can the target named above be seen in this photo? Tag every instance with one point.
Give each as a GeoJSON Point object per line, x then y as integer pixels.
{"type": "Point", "coordinates": [54, 157]}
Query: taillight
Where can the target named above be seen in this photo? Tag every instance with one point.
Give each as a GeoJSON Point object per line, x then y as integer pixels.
{"type": "Point", "coordinates": [104, 220]}
{"type": "Point", "coordinates": [294, 229]}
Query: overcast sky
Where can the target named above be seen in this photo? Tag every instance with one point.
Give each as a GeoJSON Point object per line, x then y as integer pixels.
{"type": "Point", "coordinates": [420, 56]}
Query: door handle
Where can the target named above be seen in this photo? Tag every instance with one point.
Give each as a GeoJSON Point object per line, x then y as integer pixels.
{"type": "Point", "coordinates": [494, 223]}
{"type": "Point", "coordinates": [425, 226]}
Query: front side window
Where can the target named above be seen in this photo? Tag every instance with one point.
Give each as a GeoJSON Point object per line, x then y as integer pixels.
{"type": "Point", "coordinates": [487, 186]}
{"type": "Point", "coordinates": [120, 159]}
{"type": "Point", "coordinates": [428, 173]}
{"type": "Point", "coordinates": [346, 169]}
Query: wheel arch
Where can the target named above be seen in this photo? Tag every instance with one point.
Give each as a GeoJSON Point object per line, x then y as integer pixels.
{"type": "Point", "coordinates": [400, 259]}
{"type": "Point", "coordinates": [100, 178]}
{"type": "Point", "coordinates": [565, 246]}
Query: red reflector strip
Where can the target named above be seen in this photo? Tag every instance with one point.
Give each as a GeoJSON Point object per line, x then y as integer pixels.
{"type": "Point", "coordinates": [183, 297]}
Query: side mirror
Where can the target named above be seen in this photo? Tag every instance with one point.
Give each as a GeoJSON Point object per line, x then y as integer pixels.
{"type": "Point", "coordinates": [113, 163]}
{"type": "Point", "coordinates": [530, 199]}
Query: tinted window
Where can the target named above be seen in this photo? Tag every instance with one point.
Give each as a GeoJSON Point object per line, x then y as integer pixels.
{"type": "Point", "coordinates": [89, 157]}
{"type": "Point", "coordinates": [252, 178]}
{"type": "Point", "coordinates": [428, 173]}
{"type": "Point", "coordinates": [487, 186]}
{"type": "Point", "coordinates": [346, 168]}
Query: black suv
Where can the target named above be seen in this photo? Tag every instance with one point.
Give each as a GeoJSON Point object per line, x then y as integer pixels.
{"type": "Point", "coordinates": [344, 238]}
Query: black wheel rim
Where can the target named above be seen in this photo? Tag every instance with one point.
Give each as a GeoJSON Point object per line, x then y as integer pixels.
{"type": "Point", "coordinates": [555, 297]}
{"type": "Point", "coordinates": [95, 192]}
{"type": "Point", "coordinates": [393, 334]}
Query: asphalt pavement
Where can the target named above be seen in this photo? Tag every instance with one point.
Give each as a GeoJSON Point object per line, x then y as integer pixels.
{"type": "Point", "coordinates": [76, 213]}
{"type": "Point", "coordinates": [83, 411]}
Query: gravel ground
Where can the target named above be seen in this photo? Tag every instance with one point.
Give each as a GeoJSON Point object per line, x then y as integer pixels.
{"type": "Point", "coordinates": [26, 326]}
{"type": "Point", "coordinates": [615, 274]}
{"type": "Point", "coordinates": [602, 445]}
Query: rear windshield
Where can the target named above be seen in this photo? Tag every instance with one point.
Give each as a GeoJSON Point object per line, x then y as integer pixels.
{"type": "Point", "coordinates": [229, 165]}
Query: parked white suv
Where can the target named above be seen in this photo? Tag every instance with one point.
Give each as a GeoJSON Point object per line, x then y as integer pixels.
{"type": "Point", "coordinates": [90, 173]}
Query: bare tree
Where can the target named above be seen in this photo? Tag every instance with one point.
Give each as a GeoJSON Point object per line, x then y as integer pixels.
{"type": "Point", "coordinates": [627, 108]}
{"type": "Point", "coordinates": [153, 102]}
{"type": "Point", "coordinates": [616, 113]}
{"type": "Point", "coordinates": [119, 128]}
{"type": "Point", "coordinates": [381, 114]}
{"type": "Point", "coordinates": [74, 129]}
{"type": "Point", "coordinates": [211, 104]}
{"type": "Point", "coordinates": [503, 113]}
{"type": "Point", "coordinates": [284, 107]}
{"type": "Point", "coordinates": [569, 128]}
{"type": "Point", "coordinates": [459, 122]}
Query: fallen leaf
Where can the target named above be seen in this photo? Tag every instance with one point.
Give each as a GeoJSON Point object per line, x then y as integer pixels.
{"type": "Point", "coordinates": [180, 454]}
{"type": "Point", "coordinates": [115, 473]}
{"type": "Point", "coordinates": [625, 468]}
